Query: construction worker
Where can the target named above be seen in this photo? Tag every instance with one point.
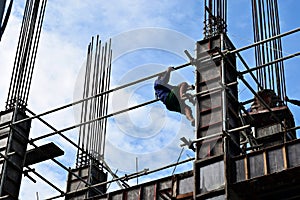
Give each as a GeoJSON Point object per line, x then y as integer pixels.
{"type": "Point", "coordinates": [174, 96]}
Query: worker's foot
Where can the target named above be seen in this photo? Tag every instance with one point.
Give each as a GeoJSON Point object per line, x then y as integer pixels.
{"type": "Point", "coordinates": [192, 100]}
{"type": "Point", "coordinates": [193, 122]}
{"type": "Point", "coordinates": [191, 87]}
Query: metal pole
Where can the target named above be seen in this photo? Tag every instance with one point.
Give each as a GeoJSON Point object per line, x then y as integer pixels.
{"type": "Point", "coordinates": [207, 137]}
{"type": "Point", "coordinates": [54, 160]}
{"type": "Point", "coordinates": [2, 8]}
{"type": "Point", "coordinates": [251, 89]}
{"type": "Point", "coordinates": [238, 128]}
{"type": "Point", "coordinates": [260, 99]}
{"type": "Point", "coordinates": [263, 41]}
{"type": "Point", "coordinates": [91, 121]}
{"type": "Point", "coordinates": [66, 138]}
{"type": "Point", "coordinates": [100, 94]}
{"type": "Point", "coordinates": [214, 89]}
{"type": "Point", "coordinates": [248, 68]}
{"type": "Point", "coordinates": [45, 180]}
{"type": "Point", "coordinates": [270, 63]}
{"type": "Point", "coordinates": [128, 177]}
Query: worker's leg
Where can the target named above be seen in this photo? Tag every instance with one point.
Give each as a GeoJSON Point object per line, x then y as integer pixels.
{"type": "Point", "coordinates": [188, 114]}
{"type": "Point", "coordinates": [183, 87]}
{"type": "Point", "coordinates": [173, 104]}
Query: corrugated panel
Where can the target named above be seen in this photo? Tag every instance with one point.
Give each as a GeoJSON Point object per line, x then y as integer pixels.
{"type": "Point", "coordinates": [186, 185]}
{"type": "Point", "coordinates": [133, 194]}
{"type": "Point", "coordinates": [275, 160]}
{"type": "Point", "coordinates": [210, 101]}
{"type": "Point", "coordinates": [208, 73]}
{"type": "Point", "coordinates": [240, 170]}
{"type": "Point", "coordinates": [76, 185]}
{"type": "Point", "coordinates": [268, 161]}
{"type": "Point", "coordinates": [294, 154]}
{"type": "Point", "coordinates": [118, 196]}
{"type": "Point", "coordinates": [212, 83]}
{"type": "Point", "coordinates": [256, 165]}
{"type": "Point", "coordinates": [211, 117]}
{"type": "Point", "coordinates": [165, 184]}
{"type": "Point", "coordinates": [148, 192]}
{"type": "Point", "coordinates": [211, 148]}
{"type": "Point", "coordinates": [212, 177]}
{"type": "Point", "coordinates": [212, 129]}
{"type": "Point", "coordinates": [268, 130]}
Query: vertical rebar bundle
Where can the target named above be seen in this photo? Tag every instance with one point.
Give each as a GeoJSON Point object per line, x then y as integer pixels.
{"type": "Point", "coordinates": [26, 54]}
{"type": "Point", "coordinates": [215, 17]}
{"type": "Point", "coordinates": [97, 80]}
{"type": "Point", "coordinates": [3, 21]}
{"type": "Point", "coordinates": [265, 25]}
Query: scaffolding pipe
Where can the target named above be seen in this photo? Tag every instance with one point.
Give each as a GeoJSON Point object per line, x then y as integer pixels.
{"type": "Point", "coordinates": [71, 142]}
{"type": "Point", "coordinates": [74, 144]}
{"type": "Point", "coordinates": [97, 95]}
{"type": "Point", "coordinates": [64, 167]}
{"type": "Point", "coordinates": [247, 67]}
{"type": "Point", "coordinates": [238, 128]}
{"type": "Point", "coordinates": [5, 157]}
{"type": "Point", "coordinates": [54, 160]}
{"type": "Point", "coordinates": [128, 177]}
{"type": "Point", "coordinates": [263, 41]}
{"type": "Point", "coordinates": [45, 180]}
{"type": "Point", "coordinates": [254, 93]}
{"type": "Point", "coordinates": [93, 120]}
{"type": "Point", "coordinates": [241, 106]}
{"type": "Point", "coordinates": [293, 128]}
{"type": "Point", "coordinates": [260, 99]}
{"type": "Point", "coordinates": [270, 63]}
{"type": "Point", "coordinates": [215, 89]}
{"type": "Point", "coordinates": [54, 129]}
{"type": "Point", "coordinates": [207, 137]}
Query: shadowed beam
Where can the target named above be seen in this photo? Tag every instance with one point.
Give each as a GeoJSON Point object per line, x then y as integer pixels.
{"type": "Point", "coordinates": [34, 156]}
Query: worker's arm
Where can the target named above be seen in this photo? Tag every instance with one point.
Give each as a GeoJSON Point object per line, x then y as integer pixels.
{"type": "Point", "coordinates": [166, 77]}
{"type": "Point", "coordinates": [295, 102]}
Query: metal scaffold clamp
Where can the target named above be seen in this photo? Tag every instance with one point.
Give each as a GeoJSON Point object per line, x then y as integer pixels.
{"type": "Point", "coordinates": [189, 143]}
{"type": "Point", "coordinates": [193, 61]}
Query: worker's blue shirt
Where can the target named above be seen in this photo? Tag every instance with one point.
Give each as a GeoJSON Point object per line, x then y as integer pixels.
{"type": "Point", "coordinates": [162, 89]}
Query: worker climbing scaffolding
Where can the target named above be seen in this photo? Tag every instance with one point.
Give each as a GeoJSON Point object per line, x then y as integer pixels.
{"type": "Point", "coordinates": [174, 96]}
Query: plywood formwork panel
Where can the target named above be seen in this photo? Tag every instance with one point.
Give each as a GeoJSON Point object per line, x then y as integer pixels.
{"type": "Point", "coordinates": [178, 186]}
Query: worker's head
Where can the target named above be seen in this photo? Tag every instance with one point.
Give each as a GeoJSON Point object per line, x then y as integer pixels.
{"type": "Point", "coordinates": [269, 97]}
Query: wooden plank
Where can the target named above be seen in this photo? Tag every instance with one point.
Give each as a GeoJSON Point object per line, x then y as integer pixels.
{"type": "Point", "coordinates": [285, 162]}
{"type": "Point", "coordinates": [183, 196]}
{"type": "Point", "coordinates": [246, 168]}
{"type": "Point", "coordinates": [265, 163]}
{"type": "Point", "coordinates": [125, 195]}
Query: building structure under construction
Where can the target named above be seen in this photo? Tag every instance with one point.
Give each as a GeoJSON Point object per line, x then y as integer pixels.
{"type": "Point", "coordinates": [239, 152]}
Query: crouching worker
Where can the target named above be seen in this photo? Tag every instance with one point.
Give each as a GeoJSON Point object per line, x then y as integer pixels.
{"type": "Point", "coordinates": [174, 96]}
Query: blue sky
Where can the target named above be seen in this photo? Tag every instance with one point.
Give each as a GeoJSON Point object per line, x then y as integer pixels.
{"type": "Point", "coordinates": [147, 37]}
